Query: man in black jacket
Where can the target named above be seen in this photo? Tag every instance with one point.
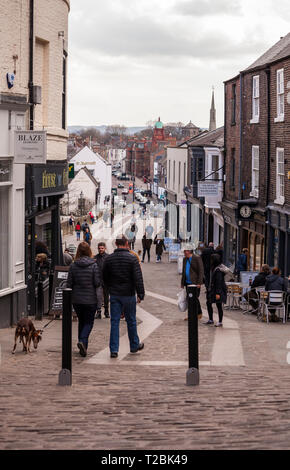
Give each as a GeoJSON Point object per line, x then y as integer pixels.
{"type": "Point", "coordinates": [102, 291]}
{"type": "Point", "coordinates": [122, 276]}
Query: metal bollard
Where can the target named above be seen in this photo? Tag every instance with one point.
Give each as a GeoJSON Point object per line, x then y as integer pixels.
{"type": "Point", "coordinates": [192, 375]}
{"type": "Point", "coordinates": [65, 375]}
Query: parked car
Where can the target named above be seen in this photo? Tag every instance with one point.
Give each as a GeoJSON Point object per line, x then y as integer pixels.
{"type": "Point", "coordinates": [120, 185]}
{"type": "Point", "coordinates": [125, 191]}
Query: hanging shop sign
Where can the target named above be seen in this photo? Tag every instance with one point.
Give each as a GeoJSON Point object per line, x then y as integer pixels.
{"type": "Point", "coordinates": [207, 188]}
{"type": "Point", "coordinates": [30, 147]}
{"type": "Point", "coordinates": [52, 179]}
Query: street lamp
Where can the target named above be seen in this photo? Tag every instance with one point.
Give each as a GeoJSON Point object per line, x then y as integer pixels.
{"type": "Point", "coordinates": [81, 203]}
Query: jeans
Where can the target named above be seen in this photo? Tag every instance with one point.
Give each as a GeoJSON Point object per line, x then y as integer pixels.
{"type": "Point", "coordinates": [78, 236]}
{"type": "Point", "coordinates": [86, 316]}
{"type": "Point", "coordinates": [127, 305]}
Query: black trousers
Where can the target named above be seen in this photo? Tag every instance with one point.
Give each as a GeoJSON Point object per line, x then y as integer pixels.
{"type": "Point", "coordinates": [144, 253]}
{"type": "Point", "coordinates": [210, 310]}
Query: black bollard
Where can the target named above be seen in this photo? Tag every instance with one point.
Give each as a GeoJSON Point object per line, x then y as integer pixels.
{"type": "Point", "coordinates": [192, 375]}
{"type": "Point", "coordinates": [65, 375]}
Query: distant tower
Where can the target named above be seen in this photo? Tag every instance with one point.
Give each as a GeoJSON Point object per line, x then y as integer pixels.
{"type": "Point", "coordinates": [212, 121]}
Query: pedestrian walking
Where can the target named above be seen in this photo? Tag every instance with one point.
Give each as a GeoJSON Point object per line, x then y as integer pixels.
{"type": "Point", "coordinates": [217, 291]}
{"type": "Point", "coordinates": [88, 236]}
{"type": "Point", "coordinates": [123, 277]}
{"type": "Point", "coordinates": [78, 230]}
{"type": "Point", "coordinates": [102, 291]}
{"type": "Point", "coordinates": [206, 259]}
{"type": "Point", "coordinates": [71, 223]}
{"type": "Point", "coordinates": [192, 273]}
{"type": "Point", "coordinates": [160, 247]}
{"type": "Point", "coordinates": [242, 263]}
{"type": "Point", "coordinates": [146, 244]}
{"type": "Point", "coordinates": [85, 225]}
{"type": "Point", "coordinates": [220, 251]}
{"type": "Point", "coordinates": [149, 231]}
{"type": "Point", "coordinates": [84, 278]}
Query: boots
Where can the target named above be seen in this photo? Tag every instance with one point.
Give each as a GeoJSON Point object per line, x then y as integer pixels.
{"type": "Point", "coordinates": [106, 313]}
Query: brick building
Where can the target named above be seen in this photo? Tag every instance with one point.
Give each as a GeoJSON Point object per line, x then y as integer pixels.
{"type": "Point", "coordinates": [256, 192]}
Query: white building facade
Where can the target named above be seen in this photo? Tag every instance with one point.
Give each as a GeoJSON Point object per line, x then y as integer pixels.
{"type": "Point", "coordinates": [100, 169]}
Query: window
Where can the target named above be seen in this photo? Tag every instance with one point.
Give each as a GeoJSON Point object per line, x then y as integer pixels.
{"type": "Point", "coordinates": [179, 173]}
{"type": "Point", "coordinates": [256, 99]}
{"type": "Point", "coordinates": [280, 176]}
{"type": "Point", "coordinates": [215, 167]}
{"type": "Point", "coordinates": [64, 66]}
{"type": "Point", "coordinates": [255, 171]}
{"type": "Point", "coordinates": [173, 175]}
{"type": "Point", "coordinates": [169, 172]}
{"type": "Point", "coordinates": [234, 103]}
{"type": "Point", "coordinates": [5, 236]}
{"type": "Point", "coordinates": [233, 169]}
{"type": "Point", "coordinates": [280, 96]}
{"type": "Point", "coordinates": [184, 176]}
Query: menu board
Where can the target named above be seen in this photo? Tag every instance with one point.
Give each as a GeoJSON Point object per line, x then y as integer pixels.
{"type": "Point", "coordinates": [59, 284]}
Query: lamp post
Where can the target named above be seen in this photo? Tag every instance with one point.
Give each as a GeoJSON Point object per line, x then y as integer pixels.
{"type": "Point", "coordinates": [82, 203]}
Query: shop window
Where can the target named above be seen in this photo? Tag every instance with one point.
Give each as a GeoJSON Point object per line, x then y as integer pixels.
{"type": "Point", "coordinates": [5, 236]}
{"type": "Point", "coordinates": [280, 177]}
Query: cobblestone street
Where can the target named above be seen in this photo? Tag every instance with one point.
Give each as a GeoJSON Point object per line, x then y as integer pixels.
{"type": "Point", "coordinates": [126, 404]}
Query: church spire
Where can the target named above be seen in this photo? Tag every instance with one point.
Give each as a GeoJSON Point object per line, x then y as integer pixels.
{"type": "Point", "coordinates": [212, 121]}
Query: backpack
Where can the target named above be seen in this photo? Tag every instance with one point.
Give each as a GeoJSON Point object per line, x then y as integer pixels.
{"type": "Point", "coordinates": [133, 228]}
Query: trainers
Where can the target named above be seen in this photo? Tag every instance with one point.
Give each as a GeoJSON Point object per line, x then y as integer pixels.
{"type": "Point", "coordinates": [83, 351]}
{"type": "Point", "coordinates": [209, 322]}
{"type": "Point", "coordinates": [140, 347]}
{"type": "Point", "coordinates": [114, 354]}
{"type": "Point", "coordinates": [218, 324]}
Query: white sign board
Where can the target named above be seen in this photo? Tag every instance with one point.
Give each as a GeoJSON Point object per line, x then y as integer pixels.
{"type": "Point", "coordinates": [30, 147]}
{"type": "Point", "coordinates": [207, 188]}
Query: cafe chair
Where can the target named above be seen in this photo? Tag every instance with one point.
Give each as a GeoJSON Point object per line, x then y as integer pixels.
{"type": "Point", "coordinates": [276, 301]}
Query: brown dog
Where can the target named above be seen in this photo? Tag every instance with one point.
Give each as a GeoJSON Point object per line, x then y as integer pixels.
{"type": "Point", "coordinates": [26, 331]}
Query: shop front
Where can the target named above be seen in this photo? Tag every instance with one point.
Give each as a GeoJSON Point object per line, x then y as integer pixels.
{"type": "Point", "coordinates": [45, 186]}
{"type": "Point", "coordinates": [230, 234]}
{"type": "Point", "coordinates": [279, 239]}
{"type": "Point", "coordinates": [12, 278]}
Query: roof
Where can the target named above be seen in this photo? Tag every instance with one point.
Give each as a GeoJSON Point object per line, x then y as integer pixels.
{"type": "Point", "coordinates": [190, 125]}
{"type": "Point", "coordinates": [87, 153]}
{"type": "Point", "coordinates": [213, 138]}
{"type": "Point", "coordinates": [279, 51]}
{"type": "Point", "coordinates": [88, 173]}
{"type": "Point", "coordinates": [158, 124]}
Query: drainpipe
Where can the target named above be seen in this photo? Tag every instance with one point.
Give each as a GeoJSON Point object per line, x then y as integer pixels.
{"type": "Point", "coordinates": [30, 204]}
{"type": "Point", "coordinates": [240, 161]}
{"type": "Point", "coordinates": [268, 245]}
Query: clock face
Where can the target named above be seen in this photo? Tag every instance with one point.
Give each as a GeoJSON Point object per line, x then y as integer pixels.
{"type": "Point", "coordinates": [245, 211]}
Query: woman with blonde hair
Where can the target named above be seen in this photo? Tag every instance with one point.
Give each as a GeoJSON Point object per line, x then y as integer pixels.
{"type": "Point", "coordinates": [83, 278]}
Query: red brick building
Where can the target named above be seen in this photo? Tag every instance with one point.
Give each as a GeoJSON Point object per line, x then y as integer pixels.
{"type": "Point", "coordinates": [256, 203]}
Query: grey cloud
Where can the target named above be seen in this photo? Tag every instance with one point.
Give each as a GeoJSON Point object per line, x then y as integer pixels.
{"type": "Point", "coordinates": [208, 7]}
{"type": "Point", "coordinates": [143, 37]}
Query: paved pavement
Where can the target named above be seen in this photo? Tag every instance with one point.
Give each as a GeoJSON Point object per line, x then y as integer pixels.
{"type": "Point", "coordinates": [142, 401]}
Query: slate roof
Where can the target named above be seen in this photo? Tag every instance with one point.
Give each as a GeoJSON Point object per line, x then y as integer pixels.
{"type": "Point", "coordinates": [213, 138]}
{"type": "Point", "coordinates": [279, 51]}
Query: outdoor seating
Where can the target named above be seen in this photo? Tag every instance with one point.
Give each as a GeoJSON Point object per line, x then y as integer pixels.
{"type": "Point", "coordinates": [276, 301]}
{"type": "Point", "coordinates": [234, 292]}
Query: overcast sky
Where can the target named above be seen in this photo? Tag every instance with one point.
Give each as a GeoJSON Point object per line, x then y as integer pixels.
{"type": "Point", "coordinates": [131, 61]}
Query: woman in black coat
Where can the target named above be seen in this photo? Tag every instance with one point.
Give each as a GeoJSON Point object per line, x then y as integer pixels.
{"type": "Point", "coordinates": [159, 248]}
{"type": "Point", "coordinates": [83, 278]}
{"type": "Point", "coordinates": [217, 292]}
